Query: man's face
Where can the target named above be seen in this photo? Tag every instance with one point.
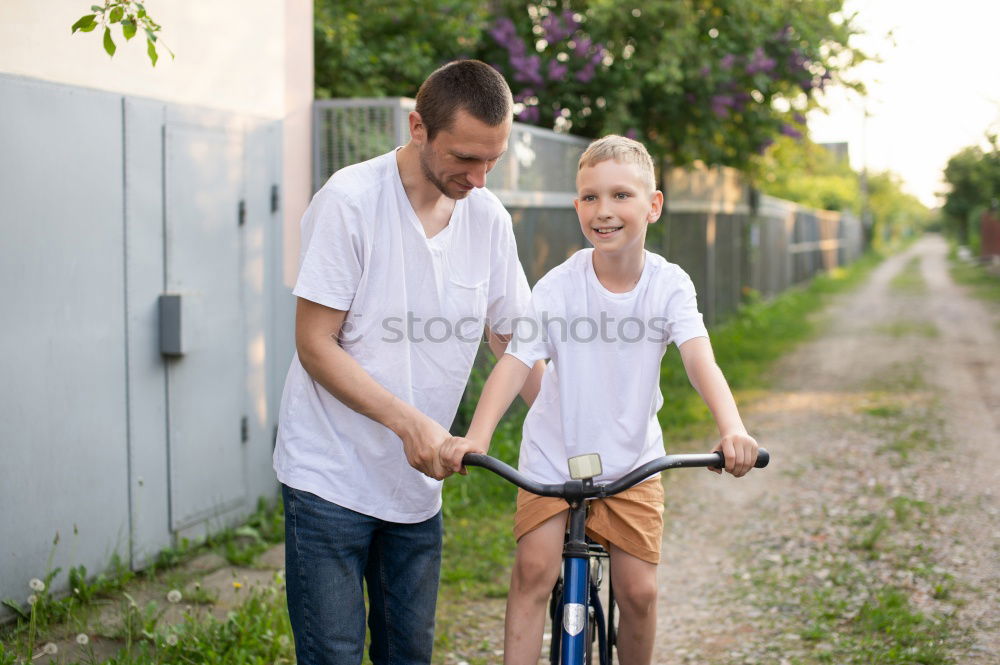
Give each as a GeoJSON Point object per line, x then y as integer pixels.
{"type": "Point", "coordinates": [458, 158]}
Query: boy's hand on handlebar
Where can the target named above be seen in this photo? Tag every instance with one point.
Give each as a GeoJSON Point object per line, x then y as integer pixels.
{"type": "Point", "coordinates": [454, 449]}
{"type": "Point", "coordinates": [740, 451]}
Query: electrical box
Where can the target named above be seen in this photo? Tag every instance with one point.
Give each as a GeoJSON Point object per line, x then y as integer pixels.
{"type": "Point", "coordinates": [171, 322]}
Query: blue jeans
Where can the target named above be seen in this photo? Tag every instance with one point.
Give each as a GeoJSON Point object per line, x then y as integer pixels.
{"type": "Point", "coordinates": [330, 552]}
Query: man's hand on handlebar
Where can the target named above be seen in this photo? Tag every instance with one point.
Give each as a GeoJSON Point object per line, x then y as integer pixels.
{"type": "Point", "coordinates": [454, 449]}
{"type": "Point", "coordinates": [422, 440]}
{"type": "Point", "coordinates": [740, 450]}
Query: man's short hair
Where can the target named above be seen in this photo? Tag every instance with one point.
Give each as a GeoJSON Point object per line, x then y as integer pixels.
{"type": "Point", "coordinates": [469, 85]}
{"type": "Point", "coordinates": [620, 149]}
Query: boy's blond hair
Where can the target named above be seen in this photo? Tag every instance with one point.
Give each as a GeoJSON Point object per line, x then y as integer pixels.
{"type": "Point", "coordinates": [620, 149]}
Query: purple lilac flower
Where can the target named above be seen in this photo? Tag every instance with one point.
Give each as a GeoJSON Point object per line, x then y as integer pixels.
{"type": "Point", "coordinates": [704, 72]}
{"type": "Point", "coordinates": [796, 60]}
{"type": "Point", "coordinates": [721, 104]}
{"type": "Point", "coordinates": [505, 34]}
{"type": "Point", "coordinates": [760, 62]}
{"type": "Point", "coordinates": [740, 101]}
{"type": "Point", "coordinates": [557, 71]}
{"type": "Point", "coordinates": [529, 114]}
{"type": "Point", "coordinates": [586, 74]}
{"type": "Point", "coordinates": [790, 131]}
{"type": "Point", "coordinates": [764, 145]}
{"type": "Point", "coordinates": [558, 28]}
{"type": "Point", "coordinates": [583, 45]}
{"type": "Point", "coordinates": [527, 69]}
{"type": "Point", "coordinates": [727, 61]}
{"type": "Point", "coordinates": [503, 30]}
{"type": "Point", "coordinates": [633, 134]}
{"type": "Point", "coordinates": [799, 118]}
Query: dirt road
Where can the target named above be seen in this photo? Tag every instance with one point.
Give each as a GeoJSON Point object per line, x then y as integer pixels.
{"type": "Point", "coordinates": [879, 519]}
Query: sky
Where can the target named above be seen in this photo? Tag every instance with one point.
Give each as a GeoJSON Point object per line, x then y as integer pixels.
{"type": "Point", "coordinates": [936, 91]}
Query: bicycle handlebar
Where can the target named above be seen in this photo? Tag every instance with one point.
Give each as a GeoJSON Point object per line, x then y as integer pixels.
{"type": "Point", "coordinates": [576, 490]}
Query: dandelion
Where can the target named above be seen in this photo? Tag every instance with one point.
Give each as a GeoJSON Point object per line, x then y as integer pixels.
{"type": "Point", "coordinates": [174, 596]}
{"type": "Point", "coordinates": [237, 585]}
{"type": "Point", "coordinates": [82, 639]}
{"type": "Point", "coordinates": [36, 584]}
{"type": "Point", "coordinates": [32, 599]}
{"type": "Point", "coordinates": [50, 649]}
{"type": "Point", "coordinates": [172, 640]}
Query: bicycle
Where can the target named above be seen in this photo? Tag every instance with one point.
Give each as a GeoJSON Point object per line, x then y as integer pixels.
{"type": "Point", "coordinates": [576, 604]}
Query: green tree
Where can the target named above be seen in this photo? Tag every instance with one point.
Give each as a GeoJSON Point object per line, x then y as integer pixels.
{"type": "Point", "coordinates": [973, 175]}
{"type": "Point", "coordinates": [377, 48]}
{"type": "Point", "coordinates": [801, 171]}
{"type": "Point", "coordinates": [709, 80]}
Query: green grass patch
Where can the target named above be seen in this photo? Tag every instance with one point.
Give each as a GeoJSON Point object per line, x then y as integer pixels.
{"type": "Point", "coordinates": [908, 328]}
{"type": "Point", "coordinates": [984, 282]}
{"type": "Point", "coordinates": [909, 280]}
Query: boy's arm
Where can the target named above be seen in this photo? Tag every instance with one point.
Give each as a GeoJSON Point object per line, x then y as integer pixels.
{"type": "Point", "coordinates": [503, 384]}
{"type": "Point", "coordinates": [498, 345]}
{"type": "Point", "coordinates": [736, 444]}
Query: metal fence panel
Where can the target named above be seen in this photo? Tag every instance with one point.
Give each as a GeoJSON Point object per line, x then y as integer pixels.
{"type": "Point", "coordinates": [728, 238]}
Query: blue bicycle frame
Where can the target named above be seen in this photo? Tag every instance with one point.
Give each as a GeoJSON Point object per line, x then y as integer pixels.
{"type": "Point", "coordinates": [576, 586]}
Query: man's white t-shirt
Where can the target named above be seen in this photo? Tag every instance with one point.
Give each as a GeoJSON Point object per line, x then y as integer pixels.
{"type": "Point", "coordinates": [601, 391]}
{"type": "Point", "coordinates": [416, 313]}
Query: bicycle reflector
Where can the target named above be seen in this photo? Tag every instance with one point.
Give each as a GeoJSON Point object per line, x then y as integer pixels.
{"type": "Point", "coordinates": [583, 467]}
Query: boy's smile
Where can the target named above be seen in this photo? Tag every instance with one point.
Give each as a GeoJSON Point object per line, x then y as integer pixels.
{"type": "Point", "coordinates": [615, 206]}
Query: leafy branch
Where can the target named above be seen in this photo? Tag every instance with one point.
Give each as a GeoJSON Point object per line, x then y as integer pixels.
{"type": "Point", "coordinates": [131, 16]}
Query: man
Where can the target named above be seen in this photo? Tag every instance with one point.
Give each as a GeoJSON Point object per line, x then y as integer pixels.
{"type": "Point", "coordinates": [404, 258]}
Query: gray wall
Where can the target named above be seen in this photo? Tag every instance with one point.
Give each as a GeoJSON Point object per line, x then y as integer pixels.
{"type": "Point", "coordinates": [107, 202]}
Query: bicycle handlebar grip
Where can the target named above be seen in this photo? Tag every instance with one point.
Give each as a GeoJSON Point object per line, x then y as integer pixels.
{"type": "Point", "coordinates": [763, 459]}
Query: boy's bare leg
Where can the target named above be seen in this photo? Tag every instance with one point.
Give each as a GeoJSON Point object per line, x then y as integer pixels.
{"type": "Point", "coordinates": [536, 568]}
{"type": "Point", "coordinates": [634, 582]}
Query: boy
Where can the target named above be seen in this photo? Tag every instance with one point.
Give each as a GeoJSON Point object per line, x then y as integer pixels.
{"type": "Point", "coordinates": [604, 318]}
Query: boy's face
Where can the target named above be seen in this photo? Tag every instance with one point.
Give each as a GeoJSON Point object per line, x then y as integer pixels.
{"type": "Point", "coordinates": [615, 206]}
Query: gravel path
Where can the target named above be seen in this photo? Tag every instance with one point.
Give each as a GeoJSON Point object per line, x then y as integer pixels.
{"type": "Point", "coordinates": [885, 432]}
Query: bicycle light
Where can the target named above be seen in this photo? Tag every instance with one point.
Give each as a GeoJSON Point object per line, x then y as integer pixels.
{"type": "Point", "coordinates": [583, 467]}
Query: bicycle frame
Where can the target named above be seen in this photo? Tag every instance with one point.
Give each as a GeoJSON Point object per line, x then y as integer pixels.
{"type": "Point", "coordinates": [576, 587]}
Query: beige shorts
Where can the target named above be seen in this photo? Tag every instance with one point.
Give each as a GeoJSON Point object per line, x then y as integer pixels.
{"type": "Point", "coordinates": [632, 520]}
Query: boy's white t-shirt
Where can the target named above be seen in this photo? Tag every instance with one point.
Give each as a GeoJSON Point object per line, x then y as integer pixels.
{"type": "Point", "coordinates": [601, 390]}
{"type": "Point", "coordinates": [416, 313]}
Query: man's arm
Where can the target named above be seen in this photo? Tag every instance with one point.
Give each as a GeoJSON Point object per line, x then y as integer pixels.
{"type": "Point", "coordinates": [317, 331]}
{"type": "Point", "coordinates": [503, 384]}
{"type": "Point", "coordinates": [739, 447]}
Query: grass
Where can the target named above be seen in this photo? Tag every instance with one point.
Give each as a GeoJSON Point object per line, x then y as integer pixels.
{"type": "Point", "coordinates": [137, 632]}
{"type": "Point", "coordinates": [985, 284]}
{"type": "Point", "coordinates": [908, 328]}
{"type": "Point", "coordinates": [909, 280]}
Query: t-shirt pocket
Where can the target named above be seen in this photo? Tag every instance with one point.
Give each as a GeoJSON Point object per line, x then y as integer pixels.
{"type": "Point", "coordinates": [466, 309]}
